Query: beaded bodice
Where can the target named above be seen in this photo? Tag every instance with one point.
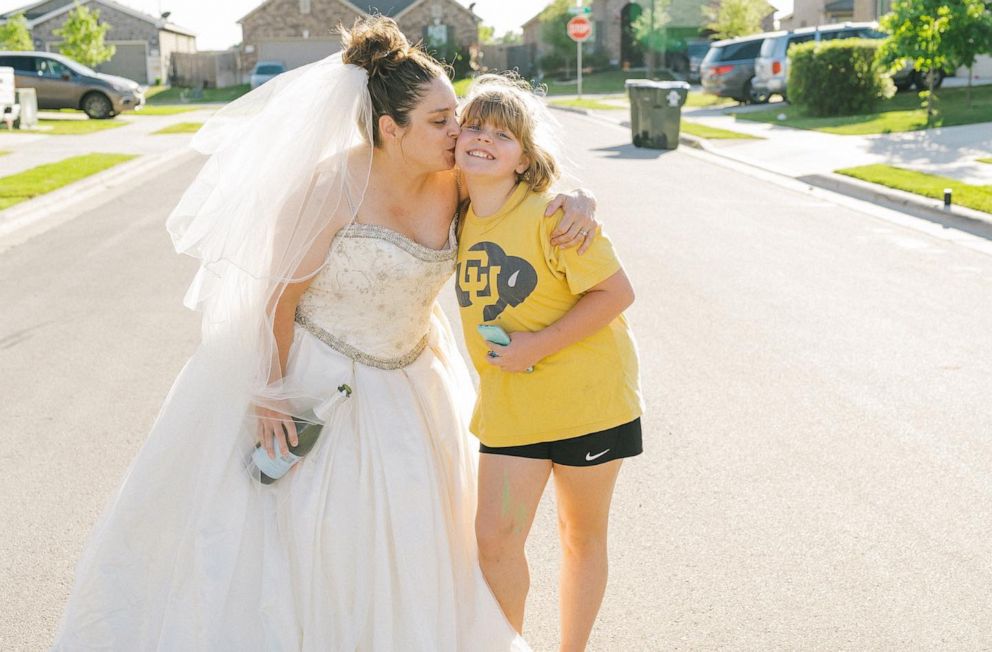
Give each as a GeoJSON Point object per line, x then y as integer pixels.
{"type": "Point", "coordinates": [372, 300]}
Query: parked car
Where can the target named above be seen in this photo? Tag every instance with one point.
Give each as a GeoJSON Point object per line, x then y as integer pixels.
{"type": "Point", "coordinates": [61, 83]}
{"type": "Point", "coordinates": [696, 51]}
{"type": "Point", "coordinates": [772, 65]}
{"type": "Point", "coordinates": [727, 70]}
{"type": "Point", "coordinates": [264, 71]}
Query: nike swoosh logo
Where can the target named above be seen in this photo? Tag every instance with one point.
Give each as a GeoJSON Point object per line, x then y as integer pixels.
{"type": "Point", "coordinates": [512, 281]}
{"type": "Point", "coordinates": [590, 457]}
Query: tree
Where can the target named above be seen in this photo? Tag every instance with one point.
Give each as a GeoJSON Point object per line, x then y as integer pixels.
{"type": "Point", "coordinates": [733, 18]}
{"type": "Point", "coordinates": [82, 37]}
{"type": "Point", "coordinates": [14, 34]}
{"type": "Point", "coordinates": [554, 20]}
{"type": "Point", "coordinates": [916, 31]}
{"type": "Point", "coordinates": [969, 33]}
{"type": "Point", "coordinates": [651, 31]}
{"type": "Point", "coordinates": [486, 34]}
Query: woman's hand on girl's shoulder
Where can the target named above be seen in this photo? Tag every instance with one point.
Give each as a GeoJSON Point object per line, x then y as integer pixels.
{"type": "Point", "coordinates": [578, 226]}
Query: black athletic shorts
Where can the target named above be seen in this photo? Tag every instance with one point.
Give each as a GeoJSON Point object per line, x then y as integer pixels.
{"type": "Point", "coordinates": [584, 450]}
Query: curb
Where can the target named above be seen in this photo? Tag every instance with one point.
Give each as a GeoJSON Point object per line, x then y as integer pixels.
{"type": "Point", "coordinates": [960, 217]}
{"type": "Point", "coordinates": [50, 204]}
{"type": "Point", "coordinates": [906, 202]}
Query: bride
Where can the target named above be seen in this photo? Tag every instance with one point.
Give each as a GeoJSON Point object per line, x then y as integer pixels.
{"type": "Point", "coordinates": [323, 223]}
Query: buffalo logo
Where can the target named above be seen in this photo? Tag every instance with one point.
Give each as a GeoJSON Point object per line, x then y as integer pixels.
{"type": "Point", "coordinates": [488, 273]}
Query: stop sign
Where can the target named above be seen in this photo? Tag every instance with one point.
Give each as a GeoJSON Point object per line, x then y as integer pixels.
{"type": "Point", "coordinates": [579, 29]}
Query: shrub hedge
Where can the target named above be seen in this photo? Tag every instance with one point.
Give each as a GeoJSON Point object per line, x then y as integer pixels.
{"type": "Point", "coordinates": [842, 77]}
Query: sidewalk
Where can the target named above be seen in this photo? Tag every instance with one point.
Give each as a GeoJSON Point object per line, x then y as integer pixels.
{"type": "Point", "coordinates": [947, 151]}
{"type": "Point", "coordinates": [812, 157]}
{"type": "Point", "coordinates": [30, 150]}
{"type": "Point", "coordinates": [136, 136]}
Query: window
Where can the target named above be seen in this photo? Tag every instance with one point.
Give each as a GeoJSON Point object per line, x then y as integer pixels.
{"type": "Point", "coordinates": [52, 69]}
{"type": "Point", "coordinates": [743, 50]}
{"type": "Point", "coordinates": [19, 64]}
{"type": "Point", "coordinates": [304, 6]}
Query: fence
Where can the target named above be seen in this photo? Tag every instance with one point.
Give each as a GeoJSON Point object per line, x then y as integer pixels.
{"type": "Point", "coordinates": [205, 69]}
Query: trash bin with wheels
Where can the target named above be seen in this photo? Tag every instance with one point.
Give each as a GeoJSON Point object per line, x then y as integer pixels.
{"type": "Point", "coordinates": [656, 112]}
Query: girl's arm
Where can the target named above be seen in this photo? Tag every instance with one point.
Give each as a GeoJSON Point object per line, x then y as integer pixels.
{"type": "Point", "coordinates": [600, 305]}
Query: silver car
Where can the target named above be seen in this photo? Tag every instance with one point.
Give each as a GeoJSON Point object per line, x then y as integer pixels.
{"type": "Point", "coordinates": [61, 83]}
{"type": "Point", "coordinates": [771, 68]}
{"type": "Point", "coordinates": [264, 71]}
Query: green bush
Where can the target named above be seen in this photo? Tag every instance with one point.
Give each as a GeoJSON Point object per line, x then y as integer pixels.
{"type": "Point", "coordinates": [842, 77]}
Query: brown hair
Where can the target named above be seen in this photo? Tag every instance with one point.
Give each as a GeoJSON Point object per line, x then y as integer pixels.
{"type": "Point", "coordinates": [508, 102]}
{"type": "Point", "coordinates": [397, 70]}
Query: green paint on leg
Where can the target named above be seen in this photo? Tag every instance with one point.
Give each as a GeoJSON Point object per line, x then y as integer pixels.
{"type": "Point", "coordinates": [505, 500]}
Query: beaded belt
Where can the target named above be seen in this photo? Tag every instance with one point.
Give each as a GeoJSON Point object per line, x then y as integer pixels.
{"type": "Point", "coordinates": [357, 355]}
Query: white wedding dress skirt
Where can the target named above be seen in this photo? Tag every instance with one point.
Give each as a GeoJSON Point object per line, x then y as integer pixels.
{"type": "Point", "coordinates": [366, 545]}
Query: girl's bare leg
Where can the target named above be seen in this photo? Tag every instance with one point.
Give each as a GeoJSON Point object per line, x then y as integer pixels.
{"type": "Point", "coordinates": [510, 489]}
{"type": "Point", "coordinates": [584, 495]}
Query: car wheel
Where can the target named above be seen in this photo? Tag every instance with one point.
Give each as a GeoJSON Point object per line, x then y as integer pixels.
{"type": "Point", "coordinates": [753, 95]}
{"type": "Point", "coordinates": [920, 79]}
{"type": "Point", "coordinates": [97, 106]}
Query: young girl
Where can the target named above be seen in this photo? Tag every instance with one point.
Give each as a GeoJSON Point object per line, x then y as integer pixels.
{"type": "Point", "coordinates": [562, 397]}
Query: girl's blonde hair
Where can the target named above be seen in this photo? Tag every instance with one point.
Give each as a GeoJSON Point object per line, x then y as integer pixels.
{"type": "Point", "coordinates": [508, 102]}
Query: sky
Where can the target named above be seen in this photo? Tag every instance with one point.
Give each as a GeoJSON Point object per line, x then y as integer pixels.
{"type": "Point", "coordinates": [216, 29]}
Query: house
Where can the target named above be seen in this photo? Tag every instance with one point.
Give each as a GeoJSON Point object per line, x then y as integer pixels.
{"type": "Point", "coordinates": [807, 13]}
{"type": "Point", "coordinates": [297, 32]}
{"type": "Point", "coordinates": [613, 31]}
{"type": "Point", "coordinates": [144, 43]}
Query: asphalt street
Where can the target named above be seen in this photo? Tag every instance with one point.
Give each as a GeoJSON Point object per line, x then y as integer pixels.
{"type": "Point", "coordinates": [818, 456]}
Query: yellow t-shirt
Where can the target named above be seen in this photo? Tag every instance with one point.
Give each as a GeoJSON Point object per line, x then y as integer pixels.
{"type": "Point", "coordinates": [508, 274]}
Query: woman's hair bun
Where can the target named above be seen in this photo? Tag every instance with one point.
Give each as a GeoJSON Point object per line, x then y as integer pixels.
{"type": "Point", "coordinates": [376, 44]}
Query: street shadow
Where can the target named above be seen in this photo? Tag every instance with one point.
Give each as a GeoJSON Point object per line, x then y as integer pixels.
{"type": "Point", "coordinates": [631, 152]}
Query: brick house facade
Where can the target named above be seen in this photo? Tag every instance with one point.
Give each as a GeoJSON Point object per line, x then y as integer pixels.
{"type": "Point", "coordinates": [298, 32]}
{"type": "Point", "coordinates": [144, 43]}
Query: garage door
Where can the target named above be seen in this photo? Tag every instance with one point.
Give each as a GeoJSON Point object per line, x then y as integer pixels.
{"type": "Point", "coordinates": [297, 52]}
{"type": "Point", "coordinates": [130, 60]}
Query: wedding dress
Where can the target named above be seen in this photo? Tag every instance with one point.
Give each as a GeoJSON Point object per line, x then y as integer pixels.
{"type": "Point", "coordinates": [366, 545]}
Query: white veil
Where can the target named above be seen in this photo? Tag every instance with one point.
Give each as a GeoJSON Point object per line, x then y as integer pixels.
{"type": "Point", "coordinates": [288, 167]}
{"type": "Point", "coordinates": [289, 164]}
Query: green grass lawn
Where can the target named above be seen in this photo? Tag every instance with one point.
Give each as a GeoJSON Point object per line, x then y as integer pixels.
{"type": "Point", "coordinates": [704, 100]}
{"type": "Point", "coordinates": [589, 103]}
{"type": "Point", "coordinates": [157, 95]}
{"type": "Point", "coordinates": [181, 128]}
{"type": "Point", "coordinates": [45, 178]}
{"type": "Point", "coordinates": [165, 109]}
{"type": "Point", "coordinates": [461, 86]}
{"type": "Point", "coordinates": [900, 113]}
{"type": "Point", "coordinates": [704, 131]}
{"type": "Point", "coordinates": [609, 81]}
{"type": "Point", "coordinates": [58, 127]}
{"type": "Point", "coordinates": [927, 185]}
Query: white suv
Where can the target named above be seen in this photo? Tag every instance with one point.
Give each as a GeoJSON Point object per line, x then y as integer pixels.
{"type": "Point", "coordinates": [771, 68]}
